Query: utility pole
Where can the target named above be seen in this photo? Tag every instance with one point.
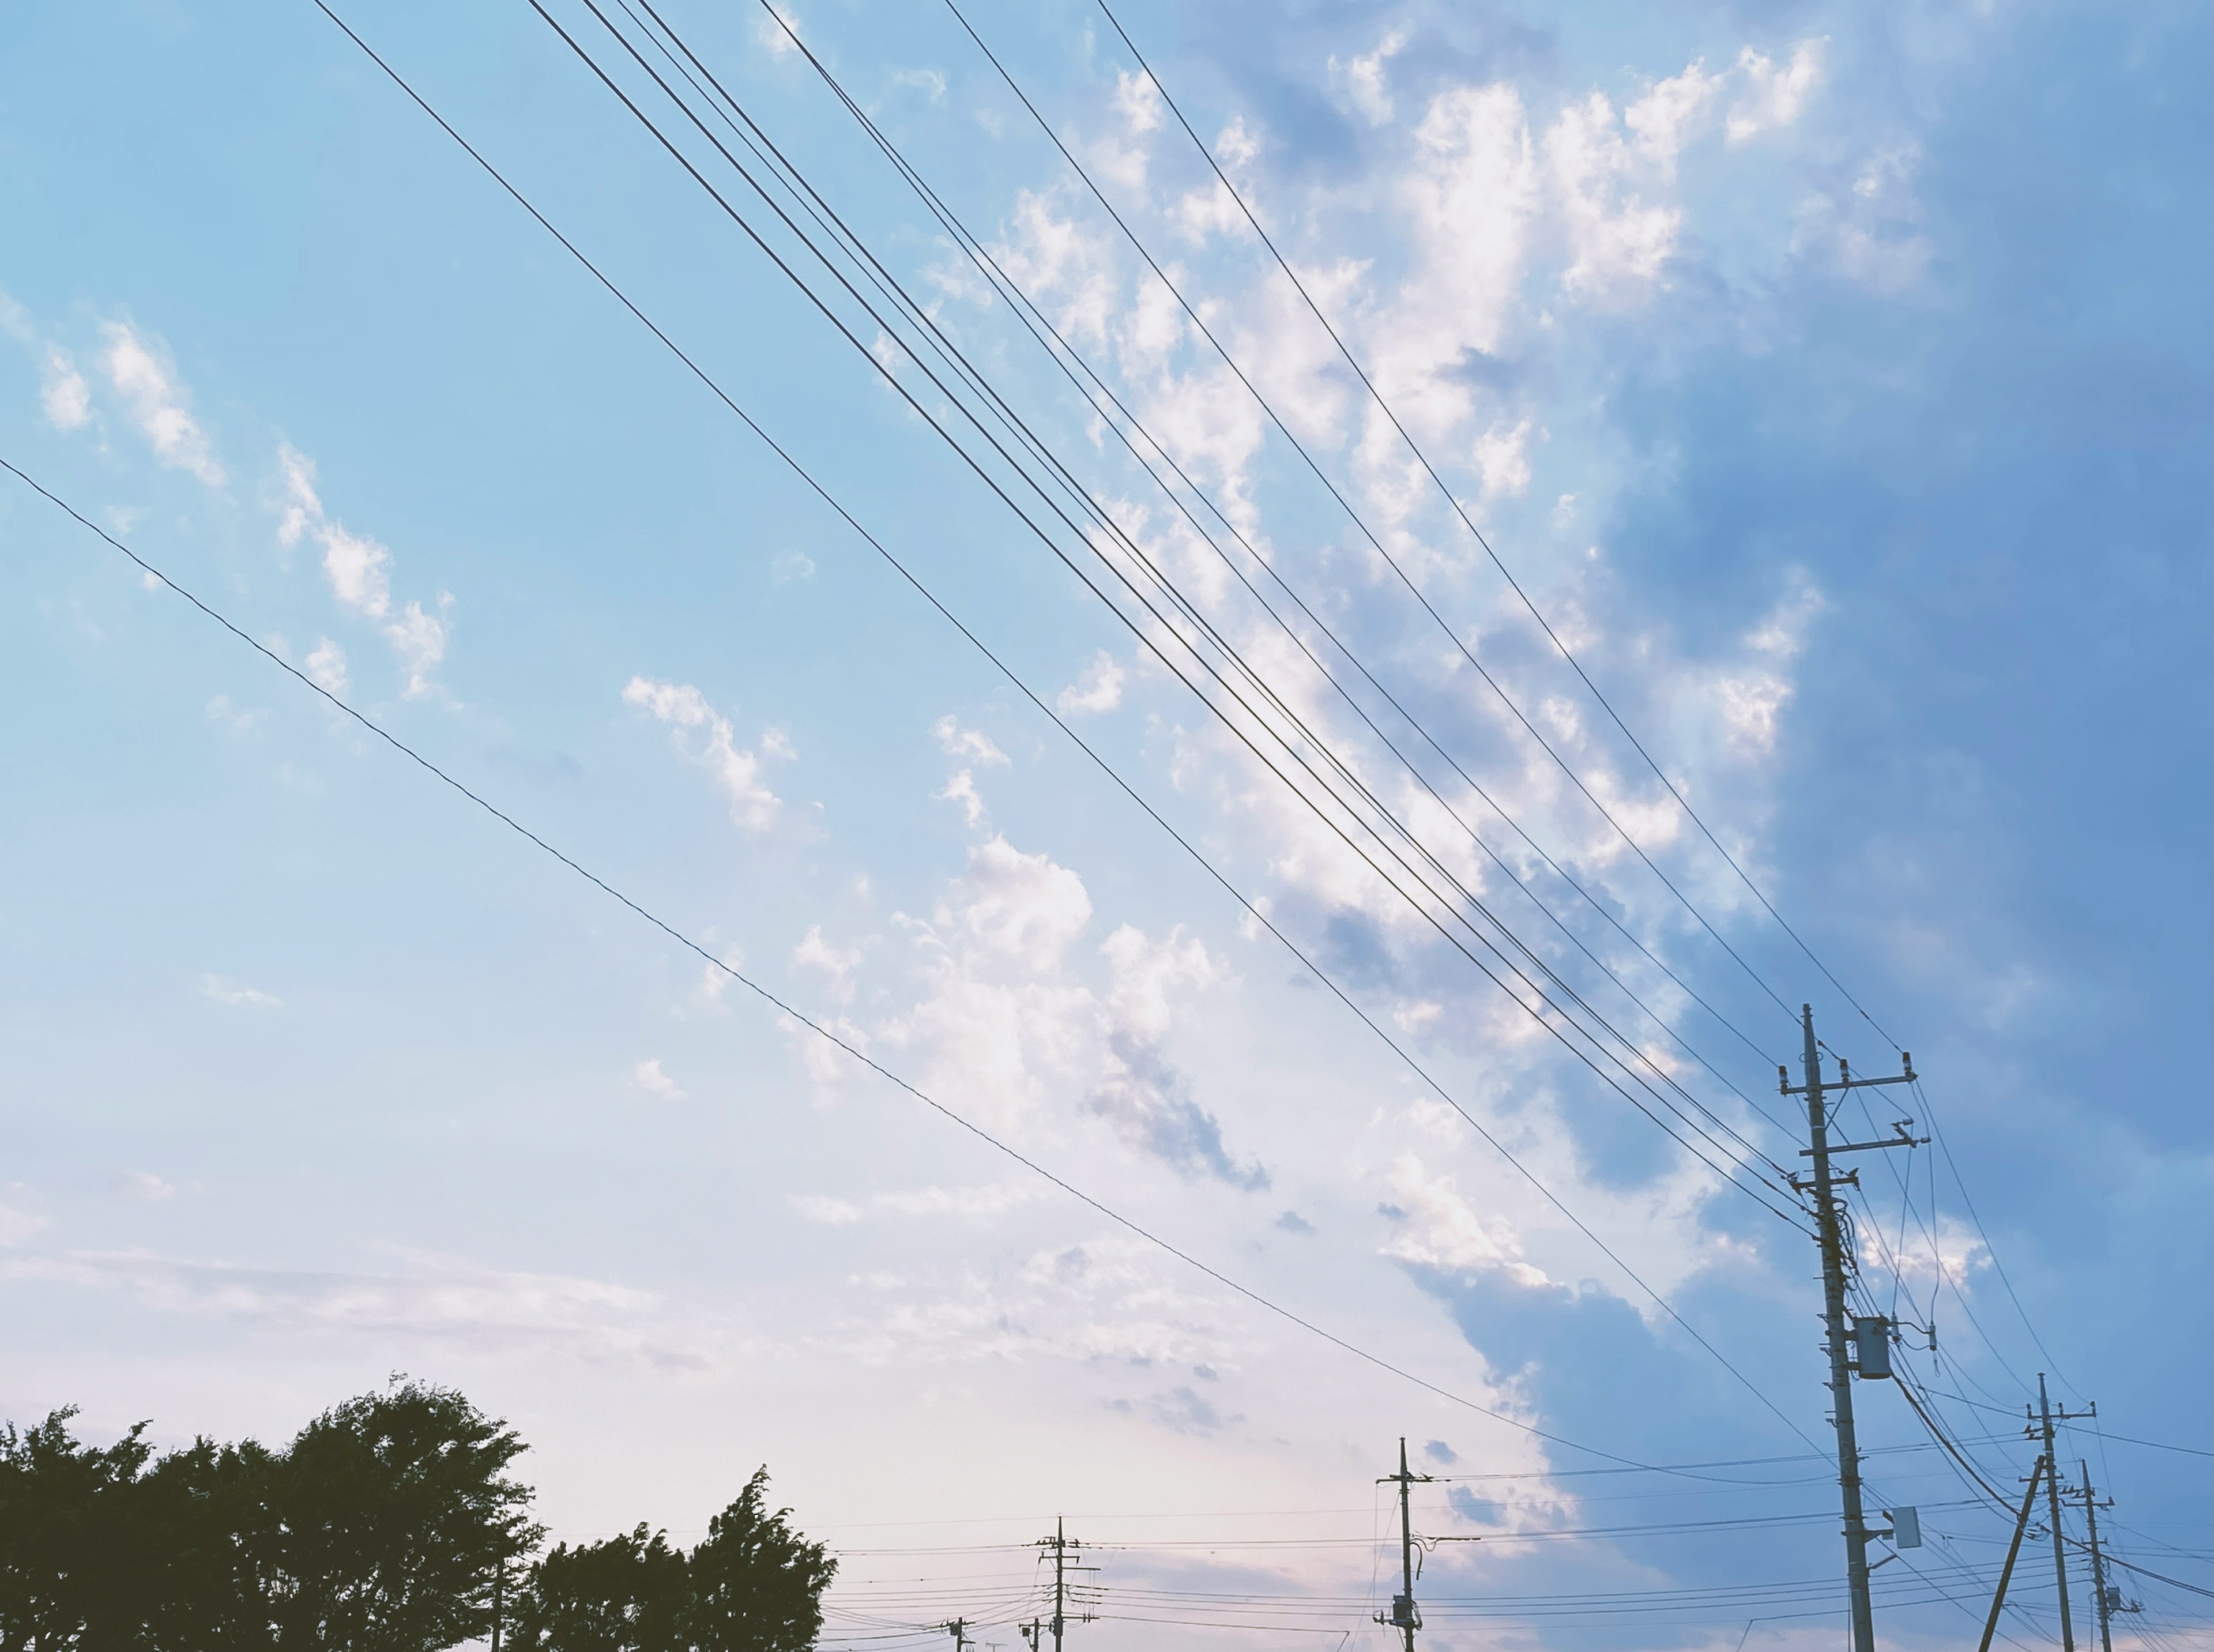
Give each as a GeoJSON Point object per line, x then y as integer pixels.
{"type": "Point", "coordinates": [1402, 1615]}
{"type": "Point", "coordinates": [1032, 1631]}
{"type": "Point", "coordinates": [958, 1629]}
{"type": "Point", "coordinates": [1872, 1335]}
{"type": "Point", "coordinates": [2045, 1417]}
{"type": "Point", "coordinates": [499, 1598]}
{"type": "Point", "coordinates": [2098, 1564]}
{"type": "Point", "coordinates": [1062, 1544]}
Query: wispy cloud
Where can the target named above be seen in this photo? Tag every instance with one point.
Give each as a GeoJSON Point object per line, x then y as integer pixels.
{"type": "Point", "coordinates": [224, 990]}
{"type": "Point", "coordinates": [139, 366]}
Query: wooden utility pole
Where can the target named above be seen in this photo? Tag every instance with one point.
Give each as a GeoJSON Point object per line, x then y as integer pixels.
{"type": "Point", "coordinates": [1872, 1336]}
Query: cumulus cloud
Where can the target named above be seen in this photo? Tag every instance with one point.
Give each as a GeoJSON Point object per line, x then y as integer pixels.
{"type": "Point", "coordinates": [1098, 689]}
{"type": "Point", "coordinates": [1776, 95]}
{"type": "Point", "coordinates": [648, 1078]}
{"type": "Point", "coordinates": [971, 745]}
{"type": "Point", "coordinates": [1438, 1228]}
{"type": "Point", "coordinates": [63, 396]}
{"type": "Point", "coordinates": [137, 365]}
{"type": "Point", "coordinates": [327, 667]}
{"type": "Point", "coordinates": [834, 965]}
{"type": "Point", "coordinates": [737, 771]}
{"type": "Point", "coordinates": [1364, 80]}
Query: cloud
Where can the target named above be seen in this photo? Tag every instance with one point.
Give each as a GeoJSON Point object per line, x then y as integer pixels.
{"type": "Point", "coordinates": [817, 956]}
{"type": "Point", "coordinates": [139, 368]}
{"type": "Point", "coordinates": [222, 714]}
{"type": "Point", "coordinates": [224, 990]}
{"type": "Point", "coordinates": [142, 1186]}
{"type": "Point", "coordinates": [791, 568]}
{"type": "Point", "coordinates": [648, 1077]}
{"type": "Point", "coordinates": [962, 789]}
{"type": "Point", "coordinates": [327, 667]}
{"type": "Point", "coordinates": [63, 396]}
{"type": "Point", "coordinates": [1775, 97]}
{"type": "Point", "coordinates": [1502, 460]}
{"type": "Point", "coordinates": [359, 569]}
{"type": "Point", "coordinates": [18, 1224]}
{"type": "Point", "coordinates": [1363, 80]}
{"type": "Point", "coordinates": [992, 1199]}
{"type": "Point", "coordinates": [931, 83]}
{"type": "Point", "coordinates": [1291, 1222]}
{"type": "Point", "coordinates": [972, 746]}
{"type": "Point", "coordinates": [1098, 688]}
{"type": "Point", "coordinates": [753, 806]}
{"type": "Point", "coordinates": [1438, 1229]}
{"type": "Point", "coordinates": [442, 1301]}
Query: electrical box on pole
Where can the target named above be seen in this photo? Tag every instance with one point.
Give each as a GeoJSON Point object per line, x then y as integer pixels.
{"type": "Point", "coordinates": [1906, 1527]}
{"type": "Point", "coordinates": [1871, 1346]}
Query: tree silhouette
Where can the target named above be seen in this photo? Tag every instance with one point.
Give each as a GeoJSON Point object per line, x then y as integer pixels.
{"type": "Point", "coordinates": [757, 1585]}
{"type": "Point", "coordinates": [627, 1594]}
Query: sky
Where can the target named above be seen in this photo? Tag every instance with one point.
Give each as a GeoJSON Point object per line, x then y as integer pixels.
{"type": "Point", "coordinates": [1784, 502]}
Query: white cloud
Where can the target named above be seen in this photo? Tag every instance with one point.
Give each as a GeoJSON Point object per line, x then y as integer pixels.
{"type": "Point", "coordinates": [229, 717]}
{"type": "Point", "coordinates": [142, 1186]}
{"type": "Point", "coordinates": [224, 990]}
{"type": "Point", "coordinates": [971, 745]}
{"type": "Point", "coordinates": [359, 569]}
{"type": "Point", "coordinates": [1363, 80]}
{"type": "Point", "coordinates": [1439, 1229]}
{"type": "Point", "coordinates": [962, 790]}
{"type": "Point", "coordinates": [1618, 240]}
{"type": "Point", "coordinates": [142, 373]}
{"type": "Point", "coordinates": [1502, 460]}
{"type": "Point", "coordinates": [816, 955]}
{"type": "Point", "coordinates": [1775, 97]}
{"type": "Point", "coordinates": [327, 667]}
{"type": "Point", "coordinates": [428, 1303]}
{"type": "Point", "coordinates": [1099, 688]}
{"type": "Point", "coordinates": [18, 1225]}
{"type": "Point", "coordinates": [738, 772]}
{"type": "Point", "coordinates": [1665, 117]}
{"type": "Point", "coordinates": [791, 568]}
{"type": "Point", "coordinates": [62, 393]}
{"type": "Point", "coordinates": [648, 1077]}
{"type": "Point", "coordinates": [1020, 907]}
{"type": "Point", "coordinates": [931, 83]}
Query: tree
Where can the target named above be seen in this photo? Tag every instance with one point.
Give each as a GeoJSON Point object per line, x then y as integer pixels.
{"type": "Point", "coordinates": [627, 1594]}
{"type": "Point", "coordinates": [756, 1584]}
{"type": "Point", "coordinates": [392, 1512]}
{"type": "Point", "coordinates": [66, 1561]}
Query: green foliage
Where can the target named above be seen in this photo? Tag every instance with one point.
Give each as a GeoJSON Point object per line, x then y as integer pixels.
{"type": "Point", "coordinates": [377, 1529]}
{"type": "Point", "coordinates": [389, 1525]}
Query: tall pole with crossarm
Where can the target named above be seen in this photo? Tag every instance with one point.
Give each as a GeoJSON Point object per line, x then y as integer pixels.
{"type": "Point", "coordinates": [1868, 1340]}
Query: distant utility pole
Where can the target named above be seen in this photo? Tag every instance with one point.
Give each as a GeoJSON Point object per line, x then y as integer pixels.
{"type": "Point", "coordinates": [1062, 1545]}
{"type": "Point", "coordinates": [958, 1629]}
{"type": "Point", "coordinates": [1404, 1617]}
{"type": "Point", "coordinates": [1032, 1631]}
{"type": "Point", "coordinates": [1870, 1337]}
{"type": "Point", "coordinates": [2043, 1422]}
{"type": "Point", "coordinates": [499, 1598]}
{"type": "Point", "coordinates": [2099, 1600]}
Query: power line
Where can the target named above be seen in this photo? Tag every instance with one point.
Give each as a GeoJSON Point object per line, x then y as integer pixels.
{"type": "Point", "coordinates": [1198, 321]}
{"type": "Point", "coordinates": [1422, 458]}
{"type": "Point", "coordinates": [822, 1031]}
{"type": "Point", "coordinates": [1089, 385]}
{"type": "Point", "coordinates": [1146, 638]}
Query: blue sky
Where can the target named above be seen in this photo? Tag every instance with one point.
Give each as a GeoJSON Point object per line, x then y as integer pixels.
{"type": "Point", "coordinates": [1835, 380]}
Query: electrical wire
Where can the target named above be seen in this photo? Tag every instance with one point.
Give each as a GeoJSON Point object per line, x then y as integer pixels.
{"type": "Point", "coordinates": [797, 1016]}
{"type": "Point", "coordinates": [1552, 636]}
{"type": "Point", "coordinates": [800, 470]}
